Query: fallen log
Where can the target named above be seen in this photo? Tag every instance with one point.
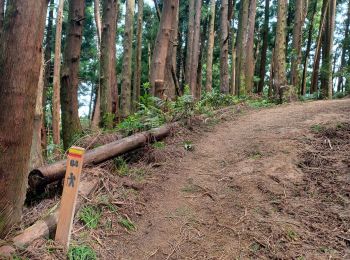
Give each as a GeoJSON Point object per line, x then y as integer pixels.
{"type": "Point", "coordinates": [39, 178]}
{"type": "Point", "coordinates": [45, 228]}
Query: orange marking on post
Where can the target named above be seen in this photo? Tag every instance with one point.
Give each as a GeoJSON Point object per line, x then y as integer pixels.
{"type": "Point", "coordinates": [69, 195]}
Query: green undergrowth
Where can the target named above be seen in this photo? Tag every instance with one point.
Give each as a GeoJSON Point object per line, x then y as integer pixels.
{"type": "Point", "coordinates": [90, 216]}
{"type": "Point", "coordinates": [81, 252]}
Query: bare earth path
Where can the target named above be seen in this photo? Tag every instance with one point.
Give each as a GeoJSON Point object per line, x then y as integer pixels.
{"type": "Point", "coordinates": [240, 194]}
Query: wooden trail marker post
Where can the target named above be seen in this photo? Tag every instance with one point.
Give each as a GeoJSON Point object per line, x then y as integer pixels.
{"type": "Point", "coordinates": [69, 195]}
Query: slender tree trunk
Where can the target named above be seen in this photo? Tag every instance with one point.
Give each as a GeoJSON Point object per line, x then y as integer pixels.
{"type": "Point", "coordinates": [344, 51]}
{"type": "Point", "coordinates": [171, 81]}
{"type": "Point", "coordinates": [280, 80]}
{"type": "Point", "coordinates": [209, 79]}
{"type": "Point", "coordinates": [156, 5]}
{"type": "Point", "coordinates": [308, 48]}
{"type": "Point", "coordinates": [203, 35]}
{"type": "Point", "coordinates": [327, 52]}
{"type": "Point", "coordinates": [161, 49]}
{"type": "Point", "coordinates": [113, 57]}
{"type": "Point", "coordinates": [296, 44]}
{"type": "Point", "coordinates": [56, 103]}
{"type": "Point", "coordinates": [262, 71]}
{"type": "Point", "coordinates": [98, 20]}
{"type": "Point", "coordinates": [317, 56]}
{"type": "Point", "coordinates": [2, 15]}
{"type": "Point", "coordinates": [195, 50]}
{"type": "Point", "coordinates": [69, 91]}
{"type": "Point", "coordinates": [224, 75]}
{"type": "Point", "coordinates": [107, 68]}
{"type": "Point", "coordinates": [190, 35]}
{"type": "Point", "coordinates": [20, 45]}
{"type": "Point", "coordinates": [47, 70]}
{"type": "Point", "coordinates": [97, 103]}
{"type": "Point", "coordinates": [138, 63]}
{"type": "Point", "coordinates": [250, 61]}
{"type": "Point", "coordinates": [241, 47]}
{"type": "Point", "coordinates": [127, 59]}
{"type": "Point", "coordinates": [36, 158]}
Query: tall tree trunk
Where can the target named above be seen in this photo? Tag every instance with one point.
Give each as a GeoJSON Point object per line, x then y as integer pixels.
{"type": "Point", "coordinates": [69, 91]}
{"type": "Point", "coordinates": [97, 16]}
{"type": "Point", "coordinates": [203, 35]}
{"type": "Point", "coordinates": [20, 45]}
{"type": "Point", "coordinates": [240, 47]}
{"type": "Point", "coordinates": [308, 47]}
{"type": "Point", "coordinates": [97, 103]}
{"type": "Point", "coordinates": [47, 70]}
{"type": "Point", "coordinates": [138, 63]}
{"type": "Point", "coordinates": [56, 103]}
{"type": "Point", "coordinates": [232, 5]}
{"type": "Point", "coordinates": [107, 68]}
{"type": "Point", "coordinates": [161, 48]}
{"type": "Point", "coordinates": [327, 52]}
{"type": "Point", "coordinates": [224, 75]}
{"type": "Point", "coordinates": [280, 80]}
{"type": "Point", "coordinates": [262, 71]}
{"type": "Point", "coordinates": [250, 61]}
{"type": "Point", "coordinates": [171, 81]}
{"type": "Point", "coordinates": [195, 50]}
{"type": "Point", "coordinates": [209, 79]}
{"type": "Point", "coordinates": [345, 42]}
{"type": "Point", "coordinates": [190, 34]}
{"type": "Point", "coordinates": [2, 15]}
{"type": "Point", "coordinates": [115, 91]}
{"type": "Point", "coordinates": [317, 56]}
{"type": "Point", "coordinates": [36, 158]}
{"type": "Point", "coordinates": [296, 44]}
{"type": "Point", "coordinates": [127, 59]}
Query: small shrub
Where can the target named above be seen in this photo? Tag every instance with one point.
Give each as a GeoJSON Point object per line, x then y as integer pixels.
{"type": "Point", "coordinates": [82, 252]}
{"type": "Point", "coordinates": [121, 165]}
{"type": "Point", "coordinates": [158, 145]}
{"type": "Point", "coordinates": [90, 216]}
{"type": "Point", "coordinates": [126, 223]}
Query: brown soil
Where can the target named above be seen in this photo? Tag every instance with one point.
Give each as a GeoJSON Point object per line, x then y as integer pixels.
{"type": "Point", "coordinates": [267, 184]}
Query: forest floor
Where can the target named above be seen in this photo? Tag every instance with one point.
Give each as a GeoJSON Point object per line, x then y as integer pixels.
{"type": "Point", "coordinates": [270, 184]}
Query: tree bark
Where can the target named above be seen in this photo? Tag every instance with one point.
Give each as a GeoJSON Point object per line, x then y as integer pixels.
{"type": "Point", "coordinates": [98, 20]}
{"type": "Point", "coordinates": [345, 42]}
{"type": "Point", "coordinates": [161, 49]}
{"type": "Point", "coordinates": [2, 15]}
{"type": "Point", "coordinates": [195, 50]}
{"type": "Point", "coordinates": [262, 70]}
{"type": "Point", "coordinates": [327, 52]}
{"type": "Point", "coordinates": [138, 63]}
{"type": "Point", "coordinates": [296, 44]}
{"type": "Point", "coordinates": [224, 24]}
{"type": "Point", "coordinates": [47, 70]}
{"type": "Point", "coordinates": [36, 158]}
{"type": "Point", "coordinates": [308, 47]}
{"type": "Point", "coordinates": [211, 41]}
{"type": "Point", "coordinates": [97, 103]}
{"type": "Point", "coordinates": [171, 81]}
{"type": "Point", "coordinates": [69, 91]}
{"type": "Point", "coordinates": [250, 61]}
{"type": "Point", "coordinates": [127, 59]}
{"type": "Point", "coordinates": [107, 67]}
{"type": "Point", "coordinates": [280, 80]}
{"type": "Point", "coordinates": [190, 35]}
{"type": "Point", "coordinates": [56, 103]}
{"type": "Point", "coordinates": [317, 56]}
{"type": "Point", "coordinates": [20, 59]}
{"type": "Point", "coordinates": [240, 47]}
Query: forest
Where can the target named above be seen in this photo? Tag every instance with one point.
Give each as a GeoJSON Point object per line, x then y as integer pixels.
{"type": "Point", "coordinates": [141, 85]}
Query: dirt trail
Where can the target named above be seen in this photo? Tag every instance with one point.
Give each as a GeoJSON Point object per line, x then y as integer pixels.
{"type": "Point", "coordinates": [235, 196]}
